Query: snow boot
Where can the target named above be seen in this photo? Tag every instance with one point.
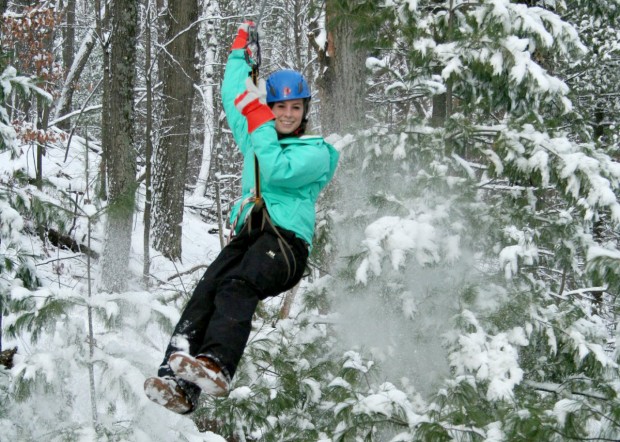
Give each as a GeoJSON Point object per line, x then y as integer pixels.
{"type": "Point", "coordinates": [167, 392]}
{"type": "Point", "coordinates": [202, 371]}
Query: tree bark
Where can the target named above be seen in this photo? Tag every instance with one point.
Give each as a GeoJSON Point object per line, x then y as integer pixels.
{"type": "Point", "coordinates": [178, 74]}
{"type": "Point", "coordinates": [43, 108]}
{"type": "Point", "coordinates": [101, 25]}
{"type": "Point", "coordinates": [74, 70]}
{"type": "Point", "coordinates": [42, 121]}
{"type": "Point", "coordinates": [442, 103]}
{"type": "Point", "coordinates": [148, 153]}
{"type": "Point", "coordinates": [68, 47]}
{"type": "Point", "coordinates": [209, 104]}
{"type": "Point", "coordinates": [342, 86]}
{"type": "Point", "coordinates": [440, 108]}
{"type": "Point", "coordinates": [119, 149]}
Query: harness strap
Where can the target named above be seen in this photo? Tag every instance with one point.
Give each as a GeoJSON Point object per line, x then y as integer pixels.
{"type": "Point", "coordinates": [266, 220]}
{"type": "Point", "coordinates": [233, 227]}
{"type": "Point", "coordinates": [284, 246]}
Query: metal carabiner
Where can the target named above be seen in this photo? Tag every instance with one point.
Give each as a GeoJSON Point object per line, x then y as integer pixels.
{"type": "Point", "coordinates": [252, 48]}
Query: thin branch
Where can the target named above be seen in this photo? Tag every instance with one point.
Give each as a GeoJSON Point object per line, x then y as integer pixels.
{"type": "Point", "coordinates": [78, 118]}
{"type": "Point", "coordinates": [187, 272]}
{"type": "Point", "coordinates": [74, 113]}
{"type": "Point", "coordinates": [75, 256]}
{"type": "Point", "coordinates": [559, 388]}
{"type": "Point", "coordinates": [182, 284]}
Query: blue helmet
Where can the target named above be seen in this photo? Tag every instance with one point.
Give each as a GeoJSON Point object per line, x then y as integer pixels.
{"type": "Point", "coordinates": [286, 85]}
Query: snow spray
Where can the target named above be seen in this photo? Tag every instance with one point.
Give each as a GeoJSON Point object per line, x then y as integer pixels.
{"type": "Point", "coordinates": [400, 269]}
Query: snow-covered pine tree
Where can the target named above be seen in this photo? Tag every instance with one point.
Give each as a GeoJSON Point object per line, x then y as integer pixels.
{"type": "Point", "coordinates": [474, 196]}
{"type": "Point", "coordinates": [483, 211]}
{"type": "Point", "coordinates": [16, 264]}
{"type": "Point", "coordinates": [68, 382]}
{"type": "Point", "coordinates": [77, 377]}
{"type": "Point", "coordinates": [17, 267]}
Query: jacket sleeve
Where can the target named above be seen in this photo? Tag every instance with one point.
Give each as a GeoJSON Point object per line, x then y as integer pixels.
{"type": "Point", "coordinates": [291, 167]}
{"type": "Point", "coordinates": [235, 74]}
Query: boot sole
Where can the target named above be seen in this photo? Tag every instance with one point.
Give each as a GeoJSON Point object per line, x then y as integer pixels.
{"type": "Point", "coordinates": [163, 393]}
{"type": "Point", "coordinates": [192, 370]}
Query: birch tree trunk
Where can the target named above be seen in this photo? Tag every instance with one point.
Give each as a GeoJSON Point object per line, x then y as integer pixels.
{"type": "Point", "coordinates": [208, 104]}
{"type": "Point", "coordinates": [178, 74]}
{"type": "Point", "coordinates": [118, 147]}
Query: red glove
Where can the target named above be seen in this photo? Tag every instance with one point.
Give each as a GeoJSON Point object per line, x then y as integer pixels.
{"type": "Point", "coordinates": [252, 106]}
{"type": "Point", "coordinates": [241, 40]}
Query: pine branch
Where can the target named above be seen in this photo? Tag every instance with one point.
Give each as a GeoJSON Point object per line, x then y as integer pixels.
{"type": "Point", "coordinates": [560, 388]}
{"type": "Point", "coordinates": [566, 436]}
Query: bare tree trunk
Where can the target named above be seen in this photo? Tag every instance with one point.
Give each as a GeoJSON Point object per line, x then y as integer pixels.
{"type": "Point", "coordinates": [178, 74]}
{"type": "Point", "coordinates": [42, 121]}
{"type": "Point", "coordinates": [146, 265]}
{"type": "Point", "coordinates": [442, 103]}
{"type": "Point", "coordinates": [89, 285]}
{"type": "Point", "coordinates": [120, 153]}
{"type": "Point", "coordinates": [73, 73]}
{"type": "Point", "coordinates": [208, 101]}
{"type": "Point", "coordinates": [439, 113]}
{"type": "Point", "coordinates": [102, 28]}
{"type": "Point", "coordinates": [297, 33]}
{"type": "Point", "coordinates": [43, 112]}
{"type": "Point", "coordinates": [287, 303]}
{"type": "Point", "coordinates": [342, 86]}
{"type": "Point", "coordinates": [68, 47]}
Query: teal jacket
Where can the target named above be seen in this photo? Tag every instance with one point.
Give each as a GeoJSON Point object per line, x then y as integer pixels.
{"type": "Point", "coordinates": [292, 171]}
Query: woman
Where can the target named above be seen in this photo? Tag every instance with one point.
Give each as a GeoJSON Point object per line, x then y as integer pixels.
{"type": "Point", "coordinates": [273, 234]}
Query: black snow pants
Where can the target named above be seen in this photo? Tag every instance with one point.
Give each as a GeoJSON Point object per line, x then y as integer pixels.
{"type": "Point", "coordinates": [261, 261]}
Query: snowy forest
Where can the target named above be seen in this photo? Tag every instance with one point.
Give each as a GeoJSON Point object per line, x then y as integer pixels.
{"type": "Point", "coordinates": [466, 263]}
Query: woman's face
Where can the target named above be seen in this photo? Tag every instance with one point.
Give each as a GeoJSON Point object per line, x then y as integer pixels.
{"type": "Point", "coordinates": [288, 114]}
